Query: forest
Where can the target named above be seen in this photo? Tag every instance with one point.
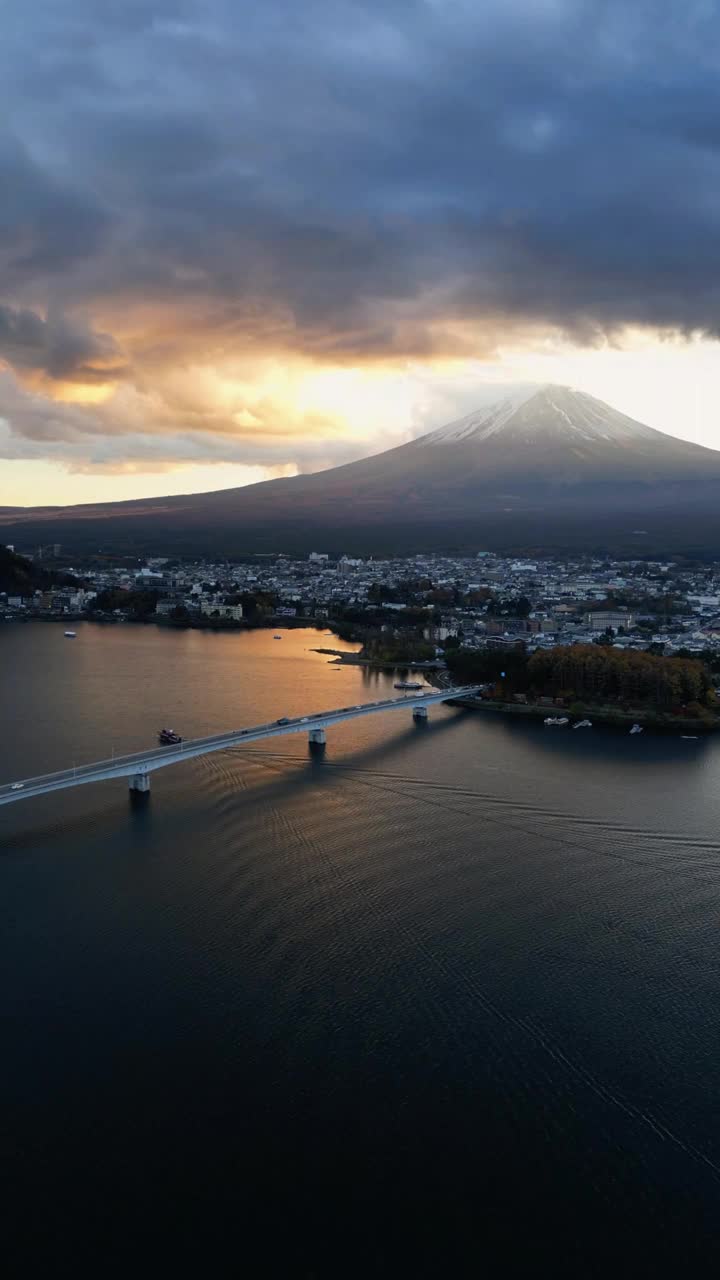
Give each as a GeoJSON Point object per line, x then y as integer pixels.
{"type": "Point", "coordinates": [590, 673]}
{"type": "Point", "coordinates": [597, 673]}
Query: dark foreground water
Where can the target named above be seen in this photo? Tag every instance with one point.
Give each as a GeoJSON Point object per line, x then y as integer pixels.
{"type": "Point", "coordinates": [446, 1002]}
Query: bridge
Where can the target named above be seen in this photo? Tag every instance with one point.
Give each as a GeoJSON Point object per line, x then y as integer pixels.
{"type": "Point", "coordinates": [138, 766]}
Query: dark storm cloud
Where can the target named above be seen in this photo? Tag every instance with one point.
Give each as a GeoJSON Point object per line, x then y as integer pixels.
{"type": "Point", "coordinates": [56, 346]}
{"type": "Point", "coordinates": [359, 179]}
{"type": "Point", "coordinates": [48, 222]}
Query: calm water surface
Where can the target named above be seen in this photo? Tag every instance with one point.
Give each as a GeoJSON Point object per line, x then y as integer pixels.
{"type": "Point", "coordinates": [445, 1001]}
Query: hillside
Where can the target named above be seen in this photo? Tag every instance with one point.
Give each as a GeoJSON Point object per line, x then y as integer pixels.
{"type": "Point", "coordinates": [546, 468]}
{"type": "Point", "coordinates": [19, 576]}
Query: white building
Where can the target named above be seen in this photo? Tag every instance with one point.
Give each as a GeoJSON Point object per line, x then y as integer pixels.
{"type": "Point", "coordinates": [232, 612]}
{"type": "Point", "coordinates": [80, 598]}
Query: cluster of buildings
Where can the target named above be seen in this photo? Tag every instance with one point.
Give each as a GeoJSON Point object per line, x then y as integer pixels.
{"type": "Point", "coordinates": [54, 603]}
{"type": "Point", "coordinates": [481, 601]}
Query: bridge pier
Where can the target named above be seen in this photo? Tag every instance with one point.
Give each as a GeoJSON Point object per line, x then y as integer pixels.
{"type": "Point", "coordinates": [420, 713]}
{"type": "Point", "coordinates": [140, 782]}
{"type": "Point", "coordinates": [317, 737]}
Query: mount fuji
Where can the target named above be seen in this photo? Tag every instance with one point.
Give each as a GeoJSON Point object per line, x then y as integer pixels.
{"type": "Point", "coordinates": [541, 468]}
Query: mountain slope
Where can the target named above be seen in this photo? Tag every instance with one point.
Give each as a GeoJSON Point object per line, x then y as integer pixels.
{"type": "Point", "coordinates": [548, 466]}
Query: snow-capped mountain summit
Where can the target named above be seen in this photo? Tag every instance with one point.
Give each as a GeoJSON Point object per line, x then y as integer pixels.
{"type": "Point", "coordinates": [543, 411]}
{"type": "Point", "coordinates": [481, 423]}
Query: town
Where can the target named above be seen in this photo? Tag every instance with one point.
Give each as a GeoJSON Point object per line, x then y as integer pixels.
{"type": "Point", "coordinates": [411, 608]}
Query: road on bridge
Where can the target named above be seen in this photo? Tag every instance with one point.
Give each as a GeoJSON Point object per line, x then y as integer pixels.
{"type": "Point", "coordinates": [140, 764]}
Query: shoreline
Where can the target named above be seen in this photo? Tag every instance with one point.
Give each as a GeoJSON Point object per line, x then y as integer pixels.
{"type": "Point", "coordinates": [179, 624]}
{"type": "Point", "coordinates": [435, 673]}
{"type": "Point", "coordinates": [611, 717]}
{"type": "Point", "coordinates": [355, 660]}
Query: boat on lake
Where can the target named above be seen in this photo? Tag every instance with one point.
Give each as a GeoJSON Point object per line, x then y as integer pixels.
{"type": "Point", "coordinates": [407, 684]}
{"type": "Point", "coordinates": [70, 635]}
{"type": "Point", "coordinates": [556, 720]}
{"type": "Point", "coordinates": [583, 724]}
{"type": "Point", "coordinates": [637, 728]}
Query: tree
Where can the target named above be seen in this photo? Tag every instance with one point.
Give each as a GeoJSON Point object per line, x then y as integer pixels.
{"type": "Point", "coordinates": [512, 607]}
{"type": "Point", "coordinates": [606, 638]}
{"type": "Point", "coordinates": [485, 666]}
{"type": "Point", "coordinates": [138, 604]}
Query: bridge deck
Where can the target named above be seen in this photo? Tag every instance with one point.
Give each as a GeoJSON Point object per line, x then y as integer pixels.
{"type": "Point", "coordinates": [157, 757]}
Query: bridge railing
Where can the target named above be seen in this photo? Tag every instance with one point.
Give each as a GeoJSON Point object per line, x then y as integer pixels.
{"type": "Point", "coordinates": [94, 767]}
{"type": "Point", "coordinates": [136, 757]}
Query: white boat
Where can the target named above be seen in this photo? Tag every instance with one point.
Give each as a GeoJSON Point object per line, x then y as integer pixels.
{"type": "Point", "coordinates": [637, 728]}
{"type": "Point", "coordinates": [70, 635]}
{"type": "Point", "coordinates": [407, 684]}
{"type": "Point", "coordinates": [556, 720]}
{"type": "Point", "coordinates": [583, 724]}
{"type": "Point", "coordinates": [689, 737]}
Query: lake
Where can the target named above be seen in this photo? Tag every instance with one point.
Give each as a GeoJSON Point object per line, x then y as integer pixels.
{"type": "Point", "coordinates": [442, 1000]}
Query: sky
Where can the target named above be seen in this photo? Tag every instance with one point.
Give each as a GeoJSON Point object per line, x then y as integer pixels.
{"type": "Point", "coordinates": [241, 240]}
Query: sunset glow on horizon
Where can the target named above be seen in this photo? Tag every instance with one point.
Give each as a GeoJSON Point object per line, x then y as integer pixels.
{"type": "Point", "coordinates": [204, 283]}
{"type": "Point", "coordinates": [310, 417]}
